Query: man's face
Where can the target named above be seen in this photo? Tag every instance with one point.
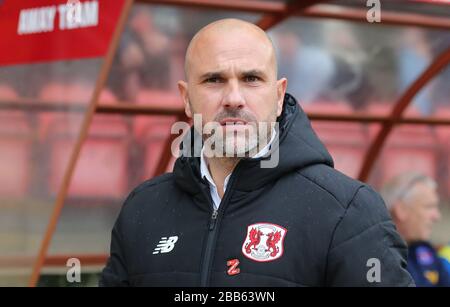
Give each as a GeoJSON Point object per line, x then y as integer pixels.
{"type": "Point", "coordinates": [232, 81]}
{"type": "Point", "coordinates": [420, 213]}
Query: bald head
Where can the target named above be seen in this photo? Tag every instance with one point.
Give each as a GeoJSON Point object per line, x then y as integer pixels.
{"type": "Point", "coordinates": [231, 71]}
{"type": "Point", "coordinates": [225, 35]}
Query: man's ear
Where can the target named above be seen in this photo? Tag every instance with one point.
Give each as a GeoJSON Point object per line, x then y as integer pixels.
{"type": "Point", "coordinates": [281, 90]}
{"type": "Point", "coordinates": [400, 211]}
{"type": "Point", "coordinates": [182, 87]}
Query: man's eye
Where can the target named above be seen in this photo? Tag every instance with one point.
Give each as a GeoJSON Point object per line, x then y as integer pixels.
{"type": "Point", "coordinates": [213, 80]}
{"type": "Point", "coordinates": [251, 79]}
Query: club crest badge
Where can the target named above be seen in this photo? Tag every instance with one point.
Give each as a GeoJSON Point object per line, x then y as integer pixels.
{"type": "Point", "coordinates": [264, 242]}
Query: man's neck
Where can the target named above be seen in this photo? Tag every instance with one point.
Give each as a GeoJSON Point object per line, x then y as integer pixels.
{"type": "Point", "coordinates": [220, 168]}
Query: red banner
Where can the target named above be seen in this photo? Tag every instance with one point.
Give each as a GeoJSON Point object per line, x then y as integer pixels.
{"type": "Point", "coordinates": [50, 30]}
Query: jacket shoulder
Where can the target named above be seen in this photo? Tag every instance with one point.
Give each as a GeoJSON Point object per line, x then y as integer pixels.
{"type": "Point", "coordinates": [153, 183]}
{"type": "Point", "coordinates": [146, 188]}
{"type": "Point", "coordinates": [340, 186]}
{"type": "Point", "coordinates": [351, 195]}
{"type": "Point", "coordinates": [363, 230]}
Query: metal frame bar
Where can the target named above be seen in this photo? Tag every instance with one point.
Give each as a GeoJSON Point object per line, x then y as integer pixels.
{"type": "Point", "coordinates": [270, 20]}
{"type": "Point", "coordinates": [106, 108]}
{"type": "Point", "coordinates": [254, 6]}
{"type": "Point", "coordinates": [361, 118]}
{"type": "Point", "coordinates": [328, 11]}
{"type": "Point", "coordinates": [125, 108]}
{"type": "Point", "coordinates": [388, 18]}
{"type": "Point", "coordinates": [87, 259]}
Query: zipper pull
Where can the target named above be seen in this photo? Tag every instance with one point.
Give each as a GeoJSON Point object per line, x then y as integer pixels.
{"type": "Point", "coordinates": [212, 222]}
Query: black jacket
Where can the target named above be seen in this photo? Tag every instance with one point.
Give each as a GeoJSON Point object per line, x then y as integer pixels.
{"type": "Point", "coordinates": [302, 223]}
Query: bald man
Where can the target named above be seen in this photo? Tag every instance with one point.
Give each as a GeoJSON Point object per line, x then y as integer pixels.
{"type": "Point", "coordinates": [230, 214]}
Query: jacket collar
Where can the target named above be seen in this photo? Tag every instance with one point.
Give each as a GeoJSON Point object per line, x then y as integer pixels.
{"type": "Point", "coordinates": [298, 147]}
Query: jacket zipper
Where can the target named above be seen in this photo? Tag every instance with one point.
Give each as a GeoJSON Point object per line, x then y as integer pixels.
{"type": "Point", "coordinates": [212, 234]}
{"type": "Point", "coordinates": [212, 221]}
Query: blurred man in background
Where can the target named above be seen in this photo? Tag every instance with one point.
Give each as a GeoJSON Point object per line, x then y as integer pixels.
{"type": "Point", "coordinates": [413, 201]}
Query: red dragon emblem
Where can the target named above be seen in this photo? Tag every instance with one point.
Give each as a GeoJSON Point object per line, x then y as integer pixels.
{"type": "Point", "coordinates": [264, 242]}
{"type": "Point", "coordinates": [272, 241]}
{"type": "Point", "coordinates": [255, 238]}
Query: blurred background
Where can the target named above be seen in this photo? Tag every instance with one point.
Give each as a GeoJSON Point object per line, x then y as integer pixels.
{"type": "Point", "coordinates": [347, 73]}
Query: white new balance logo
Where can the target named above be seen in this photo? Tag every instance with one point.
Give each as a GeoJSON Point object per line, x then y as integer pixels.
{"type": "Point", "coordinates": [165, 245]}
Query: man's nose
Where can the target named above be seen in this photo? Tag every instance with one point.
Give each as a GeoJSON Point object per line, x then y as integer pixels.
{"type": "Point", "coordinates": [233, 97]}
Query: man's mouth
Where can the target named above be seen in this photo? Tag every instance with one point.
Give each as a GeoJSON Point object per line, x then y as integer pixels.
{"type": "Point", "coordinates": [232, 122]}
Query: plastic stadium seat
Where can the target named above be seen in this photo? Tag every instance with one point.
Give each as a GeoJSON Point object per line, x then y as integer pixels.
{"type": "Point", "coordinates": [385, 108]}
{"type": "Point", "coordinates": [73, 93]}
{"type": "Point", "coordinates": [159, 98]}
{"type": "Point", "coordinates": [107, 96]}
{"type": "Point", "coordinates": [61, 94]}
{"type": "Point", "coordinates": [407, 147]}
{"type": "Point", "coordinates": [443, 132]}
{"type": "Point", "coordinates": [152, 133]}
{"type": "Point", "coordinates": [347, 159]}
{"type": "Point", "coordinates": [412, 111]}
{"type": "Point", "coordinates": [399, 160]}
{"type": "Point", "coordinates": [410, 147]}
{"type": "Point", "coordinates": [336, 107]}
{"type": "Point", "coordinates": [443, 135]}
{"type": "Point", "coordinates": [15, 148]}
{"type": "Point", "coordinates": [346, 143]}
{"type": "Point", "coordinates": [7, 93]}
{"type": "Point", "coordinates": [379, 108]}
{"type": "Point", "coordinates": [101, 169]}
{"type": "Point", "coordinates": [70, 93]}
